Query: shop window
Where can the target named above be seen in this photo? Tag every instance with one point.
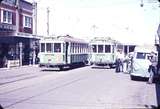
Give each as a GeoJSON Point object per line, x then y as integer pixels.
{"type": "Point", "coordinates": [6, 17]}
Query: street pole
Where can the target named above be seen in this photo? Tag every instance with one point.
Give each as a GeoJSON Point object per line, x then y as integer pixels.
{"type": "Point", "coordinates": [35, 18]}
{"type": "Point", "coordinates": [34, 53]}
{"type": "Point", "coordinates": [142, 4]}
{"type": "Point", "coordinates": [35, 31]}
{"type": "Point", "coordinates": [20, 53]}
{"type": "Point", "coordinates": [48, 21]}
{"type": "Point", "coordinates": [17, 16]}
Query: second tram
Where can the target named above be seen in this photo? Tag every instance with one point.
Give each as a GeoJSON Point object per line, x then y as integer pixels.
{"type": "Point", "coordinates": [103, 51]}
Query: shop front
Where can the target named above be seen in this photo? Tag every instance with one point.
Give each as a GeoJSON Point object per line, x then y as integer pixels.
{"type": "Point", "coordinates": [17, 48]}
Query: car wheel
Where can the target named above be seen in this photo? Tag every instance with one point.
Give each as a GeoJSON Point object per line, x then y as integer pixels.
{"type": "Point", "coordinates": [132, 77]}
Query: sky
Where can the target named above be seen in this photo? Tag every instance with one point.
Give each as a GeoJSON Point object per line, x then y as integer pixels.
{"type": "Point", "coordinates": [122, 20]}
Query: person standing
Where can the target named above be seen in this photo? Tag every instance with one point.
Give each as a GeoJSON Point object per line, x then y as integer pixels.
{"type": "Point", "coordinates": [153, 67]}
{"type": "Point", "coordinates": [119, 61]}
{"type": "Point", "coordinates": [125, 63]}
{"type": "Point", "coordinates": [5, 61]}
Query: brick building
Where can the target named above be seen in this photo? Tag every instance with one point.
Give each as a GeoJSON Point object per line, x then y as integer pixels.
{"type": "Point", "coordinates": [17, 41]}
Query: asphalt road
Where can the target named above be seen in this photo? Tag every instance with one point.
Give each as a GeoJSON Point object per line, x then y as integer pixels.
{"type": "Point", "coordinates": [81, 88]}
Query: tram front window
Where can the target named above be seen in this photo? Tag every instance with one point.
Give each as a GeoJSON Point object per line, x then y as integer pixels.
{"type": "Point", "coordinates": [94, 48]}
{"type": "Point", "coordinates": [57, 47]}
{"type": "Point", "coordinates": [48, 47]}
{"type": "Point", "coordinates": [100, 48]}
{"type": "Point", "coordinates": [107, 48]}
{"type": "Point", "coordinates": [42, 47]}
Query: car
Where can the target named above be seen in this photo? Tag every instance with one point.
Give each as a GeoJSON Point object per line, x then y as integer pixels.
{"type": "Point", "coordinates": [140, 62]}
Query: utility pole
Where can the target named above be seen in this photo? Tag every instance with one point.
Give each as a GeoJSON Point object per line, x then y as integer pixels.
{"type": "Point", "coordinates": [35, 17]}
{"type": "Point", "coordinates": [33, 45]}
{"type": "Point", "coordinates": [20, 53]}
{"type": "Point", "coordinates": [17, 16]}
{"type": "Point", "coordinates": [48, 11]}
{"type": "Point", "coordinates": [94, 27]}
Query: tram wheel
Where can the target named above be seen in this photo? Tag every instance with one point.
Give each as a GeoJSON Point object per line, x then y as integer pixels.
{"type": "Point", "coordinates": [61, 68]}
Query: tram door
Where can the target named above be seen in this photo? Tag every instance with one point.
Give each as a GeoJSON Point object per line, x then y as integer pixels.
{"type": "Point", "coordinates": [66, 52]}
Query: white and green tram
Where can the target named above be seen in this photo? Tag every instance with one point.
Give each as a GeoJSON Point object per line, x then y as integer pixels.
{"type": "Point", "coordinates": [103, 51]}
{"type": "Point", "coordinates": [63, 51]}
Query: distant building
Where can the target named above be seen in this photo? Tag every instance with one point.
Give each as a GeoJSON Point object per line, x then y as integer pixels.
{"type": "Point", "coordinates": [16, 31]}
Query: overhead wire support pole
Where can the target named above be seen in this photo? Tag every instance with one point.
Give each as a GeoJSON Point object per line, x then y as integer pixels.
{"type": "Point", "coordinates": [141, 3]}
{"type": "Point", "coordinates": [48, 11]}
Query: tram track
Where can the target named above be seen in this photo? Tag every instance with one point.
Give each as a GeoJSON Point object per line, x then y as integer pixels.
{"type": "Point", "coordinates": [57, 85]}
{"type": "Point", "coordinates": [20, 78]}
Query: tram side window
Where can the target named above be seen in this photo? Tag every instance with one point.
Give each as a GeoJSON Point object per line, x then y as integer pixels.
{"type": "Point", "coordinates": [48, 47]}
{"type": "Point", "coordinates": [57, 47]}
{"type": "Point", "coordinates": [42, 47]}
{"type": "Point", "coordinates": [107, 48]}
{"type": "Point", "coordinates": [100, 48]}
{"type": "Point", "coordinates": [94, 48]}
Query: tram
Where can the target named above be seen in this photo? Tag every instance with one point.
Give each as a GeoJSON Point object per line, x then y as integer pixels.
{"type": "Point", "coordinates": [63, 51]}
{"type": "Point", "coordinates": [103, 51]}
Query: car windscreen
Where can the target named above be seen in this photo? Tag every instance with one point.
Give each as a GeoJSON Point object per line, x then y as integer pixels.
{"type": "Point", "coordinates": [141, 55]}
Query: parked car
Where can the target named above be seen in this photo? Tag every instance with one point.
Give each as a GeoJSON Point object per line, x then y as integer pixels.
{"type": "Point", "coordinates": [141, 62]}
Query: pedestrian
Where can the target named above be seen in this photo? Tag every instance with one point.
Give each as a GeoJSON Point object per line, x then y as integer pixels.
{"type": "Point", "coordinates": [130, 64]}
{"type": "Point", "coordinates": [153, 67]}
{"type": "Point", "coordinates": [5, 61]}
{"type": "Point", "coordinates": [119, 61]}
{"type": "Point", "coordinates": [125, 64]}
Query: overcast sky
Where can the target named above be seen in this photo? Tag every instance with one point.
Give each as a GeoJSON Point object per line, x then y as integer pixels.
{"type": "Point", "coordinates": [123, 20]}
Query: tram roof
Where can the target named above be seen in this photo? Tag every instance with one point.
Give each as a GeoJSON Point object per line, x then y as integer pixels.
{"type": "Point", "coordinates": [104, 40]}
{"type": "Point", "coordinates": [65, 38]}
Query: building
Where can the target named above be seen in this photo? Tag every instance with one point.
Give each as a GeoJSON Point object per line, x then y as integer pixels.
{"type": "Point", "coordinates": [17, 38]}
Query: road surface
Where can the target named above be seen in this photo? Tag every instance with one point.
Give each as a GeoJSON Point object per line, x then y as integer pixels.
{"type": "Point", "coordinates": [81, 88]}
